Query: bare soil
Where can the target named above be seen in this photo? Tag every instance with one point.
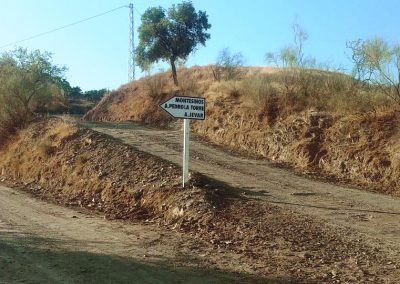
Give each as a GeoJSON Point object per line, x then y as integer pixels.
{"type": "Point", "coordinates": [375, 215]}
{"type": "Point", "coordinates": [250, 222]}
{"type": "Point", "coordinates": [45, 243]}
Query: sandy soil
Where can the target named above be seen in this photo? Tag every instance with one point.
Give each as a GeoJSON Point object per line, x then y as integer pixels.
{"type": "Point", "coordinates": [375, 216]}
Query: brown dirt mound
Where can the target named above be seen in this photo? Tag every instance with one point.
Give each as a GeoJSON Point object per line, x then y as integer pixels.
{"type": "Point", "coordinates": [85, 168]}
{"type": "Point", "coordinates": [58, 161]}
{"type": "Point", "coordinates": [360, 148]}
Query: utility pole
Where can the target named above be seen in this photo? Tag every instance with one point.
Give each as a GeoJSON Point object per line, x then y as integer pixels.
{"type": "Point", "coordinates": [131, 50]}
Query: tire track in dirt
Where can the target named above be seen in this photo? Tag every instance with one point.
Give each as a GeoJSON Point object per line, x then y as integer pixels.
{"type": "Point", "coordinates": [375, 215]}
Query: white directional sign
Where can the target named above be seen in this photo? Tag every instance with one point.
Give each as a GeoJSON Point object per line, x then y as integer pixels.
{"type": "Point", "coordinates": [185, 107]}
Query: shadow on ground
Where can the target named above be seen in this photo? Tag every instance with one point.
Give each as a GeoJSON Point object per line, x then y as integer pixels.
{"type": "Point", "coordinates": [29, 259]}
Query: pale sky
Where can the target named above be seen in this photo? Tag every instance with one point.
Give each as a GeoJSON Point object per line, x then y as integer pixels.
{"type": "Point", "coordinates": [96, 51]}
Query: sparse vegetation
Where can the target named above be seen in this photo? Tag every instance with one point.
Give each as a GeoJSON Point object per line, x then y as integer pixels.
{"type": "Point", "coordinates": [155, 84]}
{"type": "Point", "coordinates": [228, 66]}
{"type": "Point", "coordinates": [378, 63]}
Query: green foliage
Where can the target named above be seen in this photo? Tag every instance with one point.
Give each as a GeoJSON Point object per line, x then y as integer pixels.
{"type": "Point", "coordinates": [228, 66]}
{"type": "Point", "coordinates": [69, 92]}
{"type": "Point", "coordinates": [76, 92]}
{"type": "Point", "coordinates": [95, 95]}
{"type": "Point", "coordinates": [29, 78]}
{"type": "Point", "coordinates": [170, 34]}
{"type": "Point", "coordinates": [377, 62]}
{"type": "Point", "coordinates": [28, 81]}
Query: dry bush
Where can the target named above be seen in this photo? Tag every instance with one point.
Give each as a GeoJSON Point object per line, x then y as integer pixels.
{"type": "Point", "coordinates": [12, 117]}
{"type": "Point", "coordinates": [155, 84]}
{"type": "Point", "coordinates": [231, 88]}
{"type": "Point", "coordinates": [340, 83]}
{"type": "Point", "coordinates": [328, 91]}
{"type": "Point", "coordinates": [188, 86]}
{"type": "Point", "coordinates": [228, 66]}
{"type": "Point", "coordinates": [296, 90]}
{"type": "Point", "coordinates": [300, 84]}
{"type": "Point", "coordinates": [65, 127]}
{"type": "Point", "coordinates": [355, 102]}
{"type": "Point", "coordinates": [345, 95]}
{"type": "Point", "coordinates": [257, 90]}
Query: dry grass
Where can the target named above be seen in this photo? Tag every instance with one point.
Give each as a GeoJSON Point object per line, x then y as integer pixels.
{"type": "Point", "coordinates": [45, 148]}
{"type": "Point", "coordinates": [188, 86]}
{"type": "Point", "coordinates": [80, 160]}
{"type": "Point", "coordinates": [269, 92]}
{"type": "Point", "coordinates": [297, 90]}
{"type": "Point", "coordinates": [155, 84]}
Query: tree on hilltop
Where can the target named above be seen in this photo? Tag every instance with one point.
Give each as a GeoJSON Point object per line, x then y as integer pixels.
{"type": "Point", "coordinates": [171, 34]}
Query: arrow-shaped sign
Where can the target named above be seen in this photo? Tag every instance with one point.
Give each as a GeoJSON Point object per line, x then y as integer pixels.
{"type": "Point", "coordinates": [185, 107]}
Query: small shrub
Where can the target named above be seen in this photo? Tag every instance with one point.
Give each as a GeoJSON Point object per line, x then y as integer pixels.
{"type": "Point", "coordinates": [257, 90]}
{"type": "Point", "coordinates": [228, 66]}
{"type": "Point", "coordinates": [155, 84]}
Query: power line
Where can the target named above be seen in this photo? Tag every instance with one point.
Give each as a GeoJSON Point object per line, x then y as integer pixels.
{"type": "Point", "coordinates": [62, 27]}
{"type": "Point", "coordinates": [137, 11]}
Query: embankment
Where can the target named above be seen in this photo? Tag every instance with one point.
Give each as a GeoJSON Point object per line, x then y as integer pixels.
{"type": "Point", "coordinates": [356, 148]}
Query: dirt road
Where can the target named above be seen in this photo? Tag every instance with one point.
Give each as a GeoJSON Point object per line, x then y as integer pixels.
{"type": "Point", "coordinates": [46, 243]}
{"type": "Point", "coordinates": [375, 216]}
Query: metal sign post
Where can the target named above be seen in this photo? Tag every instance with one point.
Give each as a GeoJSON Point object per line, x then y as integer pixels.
{"type": "Point", "coordinates": [187, 108]}
{"type": "Point", "coordinates": [186, 133]}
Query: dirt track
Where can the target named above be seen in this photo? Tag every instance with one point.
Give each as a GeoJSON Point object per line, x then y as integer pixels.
{"type": "Point", "coordinates": [375, 216]}
{"type": "Point", "coordinates": [46, 243]}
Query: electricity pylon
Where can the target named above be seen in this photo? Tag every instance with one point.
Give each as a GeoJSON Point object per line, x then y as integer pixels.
{"type": "Point", "coordinates": [131, 50]}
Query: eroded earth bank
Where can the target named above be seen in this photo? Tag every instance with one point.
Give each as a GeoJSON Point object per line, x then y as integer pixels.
{"type": "Point", "coordinates": [211, 225]}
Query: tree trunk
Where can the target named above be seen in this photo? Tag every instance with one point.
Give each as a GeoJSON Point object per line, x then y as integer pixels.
{"type": "Point", "coordinates": [173, 68]}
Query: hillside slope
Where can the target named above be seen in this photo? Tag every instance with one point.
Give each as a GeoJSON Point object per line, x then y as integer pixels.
{"type": "Point", "coordinates": [257, 116]}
